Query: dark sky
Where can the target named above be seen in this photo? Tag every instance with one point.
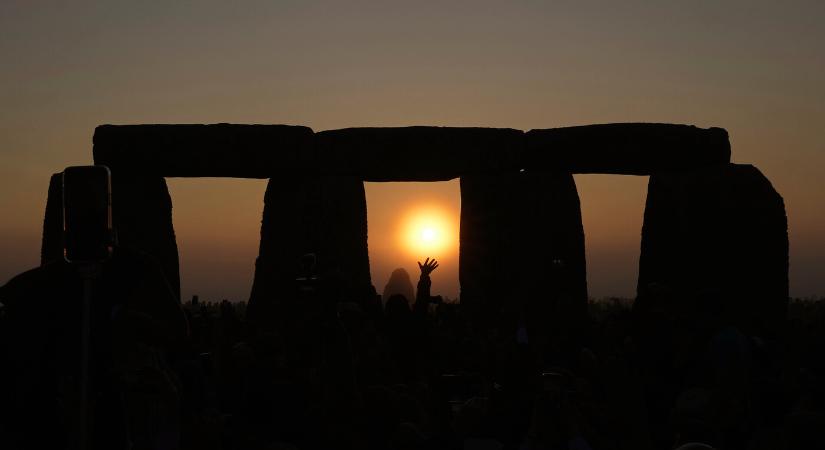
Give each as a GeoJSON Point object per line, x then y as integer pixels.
{"type": "Point", "coordinates": [753, 67]}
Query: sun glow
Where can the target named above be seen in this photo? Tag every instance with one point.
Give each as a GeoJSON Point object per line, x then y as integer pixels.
{"type": "Point", "coordinates": [428, 231]}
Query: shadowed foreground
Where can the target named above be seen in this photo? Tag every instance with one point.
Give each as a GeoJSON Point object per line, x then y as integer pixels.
{"type": "Point", "coordinates": [672, 369]}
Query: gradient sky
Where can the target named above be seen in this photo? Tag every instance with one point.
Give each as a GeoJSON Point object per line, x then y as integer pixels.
{"type": "Point", "coordinates": [753, 67]}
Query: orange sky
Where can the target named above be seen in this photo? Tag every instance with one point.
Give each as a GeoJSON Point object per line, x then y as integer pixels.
{"type": "Point", "coordinates": [753, 67]}
{"type": "Point", "coordinates": [386, 227]}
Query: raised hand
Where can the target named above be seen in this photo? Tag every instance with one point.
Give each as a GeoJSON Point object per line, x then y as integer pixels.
{"type": "Point", "coordinates": [428, 266]}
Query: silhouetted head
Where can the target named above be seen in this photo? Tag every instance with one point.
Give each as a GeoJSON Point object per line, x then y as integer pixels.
{"type": "Point", "coordinates": [397, 306]}
{"type": "Point", "coordinates": [695, 446]}
{"type": "Point", "coordinates": [691, 418]}
{"type": "Point", "coordinates": [399, 283]}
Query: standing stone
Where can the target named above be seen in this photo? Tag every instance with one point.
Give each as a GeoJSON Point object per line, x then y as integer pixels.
{"type": "Point", "coordinates": [521, 254]}
{"type": "Point", "coordinates": [142, 219]}
{"type": "Point", "coordinates": [323, 215]}
{"type": "Point", "coordinates": [719, 233]}
{"type": "Point", "coordinates": [51, 248]}
{"type": "Point", "coordinates": [141, 216]}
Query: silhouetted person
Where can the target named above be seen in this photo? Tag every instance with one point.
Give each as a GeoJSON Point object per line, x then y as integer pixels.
{"type": "Point", "coordinates": [406, 327]}
{"type": "Point", "coordinates": [136, 324]}
{"type": "Point", "coordinates": [398, 284]}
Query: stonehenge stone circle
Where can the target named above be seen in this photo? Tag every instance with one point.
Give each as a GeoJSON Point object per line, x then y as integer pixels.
{"type": "Point", "coordinates": [707, 221]}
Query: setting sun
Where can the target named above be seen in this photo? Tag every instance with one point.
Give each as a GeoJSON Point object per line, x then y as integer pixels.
{"type": "Point", "coordinates": [422, 222]}
{"type": "Point", "coordinates": [428, 231]}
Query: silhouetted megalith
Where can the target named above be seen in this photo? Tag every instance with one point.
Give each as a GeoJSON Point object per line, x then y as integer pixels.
{"type": "Point", "coordinates": [626, 148]}
{"type": "Point", "coordinates": [420, 153]}
{"type": "Point", "coordinates": [517, 231]}
{"type": "Point", "coordinates": [323, 215]}
{"type": "Point", "coordinates": [142, 219]}
{"type": "Point", "coordinates": [218, 150]}
{"type": "Point", "coordinates": [51, 247]}
{"type": "Point", "coordinates": [719, 232]}
{"type": "Point", "coordinates": [417, 153]}
{"type": "Point", "coordinates": [541, 201]}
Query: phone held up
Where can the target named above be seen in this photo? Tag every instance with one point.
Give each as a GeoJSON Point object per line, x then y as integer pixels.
{"type": "Point", "coordinates": [87, 214]}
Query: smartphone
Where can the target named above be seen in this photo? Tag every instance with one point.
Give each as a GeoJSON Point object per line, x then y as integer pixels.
{"type": "Point", "coordinates": [552, 381]}
{"type": "Point", "coordinates": [87, 214]}
{"type": "Point", "coordinates": [558, 384]}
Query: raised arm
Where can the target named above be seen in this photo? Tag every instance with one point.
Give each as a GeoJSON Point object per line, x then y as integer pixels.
{"type": "Point", "coordinates": [422, 296]}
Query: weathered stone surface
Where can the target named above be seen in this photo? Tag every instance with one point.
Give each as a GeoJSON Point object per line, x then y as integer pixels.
{"type": "Point", "coordinates": [326, 216]}
{"type": "Point", "coordinates": [142, 219]}
{"type": "Point", "coordinates": [417, 153]}
{"type": "Point", "coordinates": [626, 148]}
{"type": "Point", "coordinates": [521, 254]}
{"type": "Point", "coordinates": [719, 232]}
{"type": "Point", "coordinates": [220, 150]}
{"type": "Point", "coordinates": [51, 248]}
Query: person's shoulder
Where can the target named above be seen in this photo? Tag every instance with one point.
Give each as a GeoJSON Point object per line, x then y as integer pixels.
{"type": "Point", "coordinates": [32, 282]}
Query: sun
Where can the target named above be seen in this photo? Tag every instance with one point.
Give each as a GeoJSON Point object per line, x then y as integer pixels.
{"type": "Point", "coordinates": [427, 231]}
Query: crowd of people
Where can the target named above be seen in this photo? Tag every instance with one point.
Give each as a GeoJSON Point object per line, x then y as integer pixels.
{"type": "Point", "coordinates": [664, 372]}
